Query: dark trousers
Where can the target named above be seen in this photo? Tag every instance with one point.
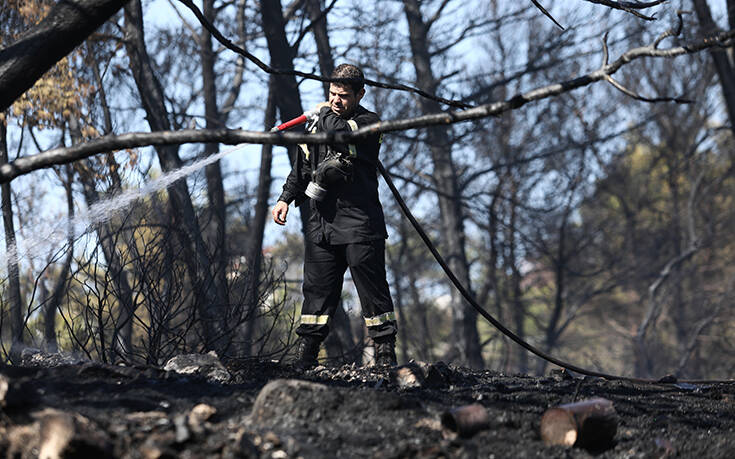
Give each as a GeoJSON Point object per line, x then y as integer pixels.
{"type": "Point", "coordinates": [324, 269]}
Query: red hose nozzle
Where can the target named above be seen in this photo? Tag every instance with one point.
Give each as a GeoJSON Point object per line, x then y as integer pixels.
{"type": "Point", "coordinates": [296, 121]}
{"type": "Point", "coordinates": [288, 124]}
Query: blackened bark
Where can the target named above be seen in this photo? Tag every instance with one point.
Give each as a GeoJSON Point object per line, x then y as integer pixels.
{"type": "Point", "coordinates": [519, 311]}
{"type": "Point", "coordinates": [321, 37]}
{"type": "Point", "coordinates": [254, 254]}
{"type": "Point", "coordinates": [721, 57]}
{"type": "Point", "coordinates": [560, 270]}
{"type": "Point", "coordinates": [50, 343]}
{"type": "Point", "coordinates": [466, 336]}
{"type": "Point", "coordinates": [67, 25]}
{"type": "Point", "coordinates": [287, 96]}
{"type": "Point", "coordinates": [210, 301]}
{"type": "Point", "coordinates": [213, 172]}
{"type": "Point", "coordinates": [57, 292]}
{"type": "Point", "coordinates": [14, 299]}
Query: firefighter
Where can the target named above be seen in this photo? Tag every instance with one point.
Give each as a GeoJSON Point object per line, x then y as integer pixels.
{"type": "Point", "coordinates": [346, 227]}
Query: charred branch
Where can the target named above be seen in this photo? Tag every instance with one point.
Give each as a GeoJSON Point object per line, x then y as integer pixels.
{"type": "Point", "coordinates": [546, 13]}
{"type": "Point", "coordinates": [630, 7]}
{"type": "Point", "coordinates": [232, 137]}
{"type": "Point", "coordinates": [67, 25]}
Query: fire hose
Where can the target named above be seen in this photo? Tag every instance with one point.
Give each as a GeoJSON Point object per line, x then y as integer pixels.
{"type": "Point", "coordinates": [482, 311]}
{"type": "Point", "coordinates": [307, 116]}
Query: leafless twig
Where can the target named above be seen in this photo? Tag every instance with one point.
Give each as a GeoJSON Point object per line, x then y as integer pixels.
{"type": "Point", "coordinates": [669, 33]}
{"type": "Point", "coordinates": [268, 69]}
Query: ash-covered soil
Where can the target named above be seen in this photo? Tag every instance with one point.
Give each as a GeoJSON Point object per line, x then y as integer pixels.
{"type": "Point", "coordinates": [89, 409]}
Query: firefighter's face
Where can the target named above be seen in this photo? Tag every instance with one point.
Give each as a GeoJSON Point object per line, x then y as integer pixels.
{"type": "Point", "coordinates": [342, 99]}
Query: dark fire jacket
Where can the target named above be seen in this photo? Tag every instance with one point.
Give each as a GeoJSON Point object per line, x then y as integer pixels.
{"type": "Point", "coordinates": [351, 212]}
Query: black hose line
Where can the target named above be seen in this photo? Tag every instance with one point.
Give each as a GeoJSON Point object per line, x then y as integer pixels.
{"type": "Point", "coordinates": [495, 322]}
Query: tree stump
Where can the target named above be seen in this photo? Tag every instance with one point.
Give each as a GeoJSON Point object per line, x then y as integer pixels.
{"type": "Point", "coordinates": [590, 424]}
{"type": "Point", "coordinates": [466, 420]}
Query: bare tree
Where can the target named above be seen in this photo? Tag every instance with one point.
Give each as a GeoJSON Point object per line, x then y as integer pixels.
{"type": "Point", "coordinates": [254, 252]}
{"type": "Point", "coordinates": [51, 307]}
{"type": "Point", "coordinates": [465, 335]}
{"type": "Point", "coordinates": [15, 302]}
{"type": "Point", "coordinates": [211, 301]}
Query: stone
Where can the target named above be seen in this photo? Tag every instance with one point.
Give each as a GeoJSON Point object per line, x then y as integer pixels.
{"type": "Point", "coordinates": [206, 365]}
{"type": "Point", "coordinates": [199, 415]}
{"type": "Point", "coordinates": [408, 376]}
{"type": "Point", "coordinates": [294, 399]}
{"type": "Point", "coordinates": [31, 357]}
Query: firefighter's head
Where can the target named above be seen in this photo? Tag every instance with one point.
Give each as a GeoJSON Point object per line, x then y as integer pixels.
{"type": "Point", "coordinates": [345, 96]}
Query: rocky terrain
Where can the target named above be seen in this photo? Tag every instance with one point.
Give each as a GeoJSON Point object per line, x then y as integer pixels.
{"type": "Point", "coordinates": [197, 407]}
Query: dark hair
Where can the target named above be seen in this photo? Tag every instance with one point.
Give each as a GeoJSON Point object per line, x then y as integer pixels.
{"type": "Point", "coordinates": [350, 75]}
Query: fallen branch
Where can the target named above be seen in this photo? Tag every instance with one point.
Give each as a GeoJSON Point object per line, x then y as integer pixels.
{"type": "Point", "coordinates": [231, 137]}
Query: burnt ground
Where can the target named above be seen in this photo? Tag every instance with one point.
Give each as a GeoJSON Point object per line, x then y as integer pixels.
{"type": "Point", "coordinates": [93, 410]}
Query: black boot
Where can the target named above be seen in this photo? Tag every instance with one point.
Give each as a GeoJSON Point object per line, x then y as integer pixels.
{"type": "Point", "coordinates": [307, 351]}
{"type": "Point", "coordinates": [385, 353]}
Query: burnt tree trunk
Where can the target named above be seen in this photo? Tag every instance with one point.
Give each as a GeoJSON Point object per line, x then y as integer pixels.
{"type": "Point", "coordinates": [560, 281]}
{"type": "Point", "coordinates": [519, 312]}
{"type": "Point", "coordinates": [17, 322]}
{"type": "Point", "coordinates": [722, 58]}
{"type": "Point", "coordinates": [464, 327]}
{"type": "Point", "coordinates": [57, 292]}
{"type": "Point", "coordinates": [67, 25]}
{"type": "Point", "coordinates": [321, 37]}
{"type": "Point", "coordinates": [213, 172]}
{"type": "Point", "coordinates": [287, 96]}
{"type": "Point", "coordinates": [254, 254]}
{"type": "Point", "coordinates": [209, 296]}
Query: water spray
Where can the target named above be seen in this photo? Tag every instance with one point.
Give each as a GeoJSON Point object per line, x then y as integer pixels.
{"type": "Point", "coordinates": [38, 244]}
{"type": "Point", "coordinates": [99, 213]}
